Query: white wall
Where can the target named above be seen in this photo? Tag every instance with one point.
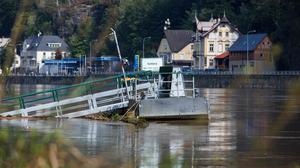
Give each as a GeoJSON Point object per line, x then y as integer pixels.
{"type": "Point", "coordinates": [219, 42]}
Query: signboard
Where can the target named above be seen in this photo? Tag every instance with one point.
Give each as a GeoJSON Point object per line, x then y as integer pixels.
{"type": "Point", "coordinates": [136, 64]}
{"type": "Point", "coordinates": [152, 64]}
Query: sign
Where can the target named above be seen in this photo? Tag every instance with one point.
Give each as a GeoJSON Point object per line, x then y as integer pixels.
{"type": "Point", "coordinates": [136, 64]}
{"type": "Point", "coordinates": [152, 64]}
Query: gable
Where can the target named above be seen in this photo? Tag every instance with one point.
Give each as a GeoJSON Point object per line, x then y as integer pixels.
{"type": "Point", "coordinates": [222, 26]}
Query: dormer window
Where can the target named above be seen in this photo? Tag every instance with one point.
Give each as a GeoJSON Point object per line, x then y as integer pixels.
{"type": "Point", "coordinates": [54, 45]}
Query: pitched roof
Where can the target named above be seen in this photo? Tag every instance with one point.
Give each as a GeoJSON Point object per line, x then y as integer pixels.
{"type": "Point", "coordinates": [241, 43]}
{"type": "Point", "coordinates": [40, 43]}
{"type": "Point", "coordinates": [178, 39]}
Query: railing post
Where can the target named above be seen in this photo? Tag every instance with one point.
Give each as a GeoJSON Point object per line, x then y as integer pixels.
{"type": "Point", "coordinates": [194, 86]}
{"type": "Point", "coordinates": [55, 95]}
{"type": "Point", "coordinates": [22, 103]}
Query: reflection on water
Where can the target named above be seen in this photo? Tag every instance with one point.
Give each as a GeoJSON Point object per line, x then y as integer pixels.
{"type": "Point", "coordinates": [237, 135]}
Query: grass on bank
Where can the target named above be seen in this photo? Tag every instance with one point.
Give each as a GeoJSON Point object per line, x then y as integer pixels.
{"type": "Point", "coordinates": [23, 149]}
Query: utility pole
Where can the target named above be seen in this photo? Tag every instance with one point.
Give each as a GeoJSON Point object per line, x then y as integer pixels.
{"type": "Point", "coordinates": [144, 39]}
{"type": "Point", "coordinates": [247, 63]}
{"type": "Point", "coordinates": [120, 57]}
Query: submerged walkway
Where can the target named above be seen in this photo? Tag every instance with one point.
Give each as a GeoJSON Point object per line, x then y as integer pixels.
{"type": "Point", "coordinates": [105, 95]}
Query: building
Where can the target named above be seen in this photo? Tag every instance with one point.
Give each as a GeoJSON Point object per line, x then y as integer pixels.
{"type": "Point", "coordinates": [212, 39]}
{"type": "Point", "coordinates": [38, 48]}
{"type": "Point", "coordinates": [176, 47]}
{"type": "Point", "coordinates": [254, 50]}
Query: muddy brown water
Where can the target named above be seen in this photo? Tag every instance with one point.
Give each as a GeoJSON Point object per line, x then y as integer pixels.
{"type": "Point", "coordinates": [247, 128]}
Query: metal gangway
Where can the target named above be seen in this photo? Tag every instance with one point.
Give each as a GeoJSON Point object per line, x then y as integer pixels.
{"type": "Point", "coordinates": [104, 95]}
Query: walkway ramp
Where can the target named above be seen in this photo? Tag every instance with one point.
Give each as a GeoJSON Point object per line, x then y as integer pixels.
{"type": "Point", "coordinates": [74, 101]}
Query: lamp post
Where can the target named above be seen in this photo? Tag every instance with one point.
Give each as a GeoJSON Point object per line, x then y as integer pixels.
{"type": "Point", "coordinates": [120, 57]}
{"type": "Point", "coordinates": [91, 52]}
{"type": "Point", "coordinates": [144, 39]}
{"type": "Point", "coordinates": [247, 64]}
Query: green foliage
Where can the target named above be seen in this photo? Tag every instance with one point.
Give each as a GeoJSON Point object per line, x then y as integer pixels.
{"type": "Point", "coordinates": [141, 18]}
{"type": "Point", "coordinates": [77, 45]}
{"type": "Point", "coordinates": [115, 117]}
{"type": "Point", "coordinates": [8, 11]}
{"type": "Point", "coordinates": [32, 149]}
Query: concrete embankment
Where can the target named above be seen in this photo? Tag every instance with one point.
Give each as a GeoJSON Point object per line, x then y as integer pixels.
{"type": "Point", "coordinates": [246, 81]}
{"type": "Point", "coordinates": [201, 81]}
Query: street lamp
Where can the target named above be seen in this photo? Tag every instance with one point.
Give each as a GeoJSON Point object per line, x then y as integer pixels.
{"type": "Point", "coordinates": [91, 52]}
{"type": "Point", "coordinates": [120, 57]}
{"type": "Point", "coordinates": [252, 31]}
{"type": "Point", "coordinates": [144, 39]}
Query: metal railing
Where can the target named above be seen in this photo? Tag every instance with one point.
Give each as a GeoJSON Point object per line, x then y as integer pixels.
{"type": "Point", "coordinates": [54, 95]}
{"type": "Point", "coordinates": [243, 73]}
{"type": "Point", "coordinates": [188, 87]}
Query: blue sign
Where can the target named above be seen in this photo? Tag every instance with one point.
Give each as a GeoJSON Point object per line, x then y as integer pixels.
{"type": "Point", "coordinates": [136, 64]}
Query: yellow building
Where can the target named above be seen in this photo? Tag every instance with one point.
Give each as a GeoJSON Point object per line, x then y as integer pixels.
{"type": "Point", "coordinates": [212, 39]}
{"type": "Point", "coordinates": [176, 47]}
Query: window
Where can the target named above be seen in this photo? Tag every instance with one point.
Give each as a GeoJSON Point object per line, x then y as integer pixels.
{"type": "Point", "coordinates": [211, 47]}
{"type": "Point", "coordinates": [220, 48]}
{"type": "Point", "coordinates": [220, 34]}
{"type": "Point", "coordinates": [192, 47]}
{"type": "Point", "coordinates": [54, 45]}
{"type": "Point", "coordinates": [182, 56]}
{"type": "Point", "coordinates": [226, 47]}
{"type": "Point", "coordinates": [227, 34]}
{"type": "Point", "coordinates": [211, 62]}
{"type": "Point", "coordinates": [261, 55]}
{"type": "Point", "coordinates": [44, 55]}
{"type": "Point", "coordinates": [32, 62]}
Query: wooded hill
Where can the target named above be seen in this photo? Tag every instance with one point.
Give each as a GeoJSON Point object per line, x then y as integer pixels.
{"type": "Point", "coordinates": [82, 21]}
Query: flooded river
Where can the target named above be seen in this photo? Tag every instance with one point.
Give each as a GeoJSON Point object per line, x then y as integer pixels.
{"type": "Point", "coordinates": [247, 128]}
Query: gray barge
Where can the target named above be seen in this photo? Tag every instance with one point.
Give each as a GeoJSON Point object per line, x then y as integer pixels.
{"type": "Point", "coordinates": [173, 97]}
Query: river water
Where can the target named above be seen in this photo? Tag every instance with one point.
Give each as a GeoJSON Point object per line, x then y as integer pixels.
{"type": "Point", "coordinates": [247, 128]}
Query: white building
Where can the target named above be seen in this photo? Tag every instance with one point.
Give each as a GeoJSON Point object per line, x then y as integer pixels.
{"type": "Point", "coordinates": [38, 48]}
{"type": "Point", "coordinates": [213, 38]}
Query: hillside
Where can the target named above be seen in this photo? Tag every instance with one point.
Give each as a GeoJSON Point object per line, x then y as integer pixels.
{"type": "Point", "coordinates": [80, 21]}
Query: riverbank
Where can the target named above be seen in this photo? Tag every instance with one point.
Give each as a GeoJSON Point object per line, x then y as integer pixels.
{"type": "Point", "coordinates": [201, 81]}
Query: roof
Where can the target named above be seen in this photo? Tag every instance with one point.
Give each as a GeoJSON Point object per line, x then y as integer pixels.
{"type": "Point", "coordinates": [241, 43]}
{"type": "Point", "coordinates": [218, 24]}
{"type": "Point", "coordinates": [222, 56]}
{"type": "Point", "coordinates": [205, 26]}
{"type": "Point", "coordinates": [40, 43]}
{"type": "Point", "coordinates": [178, 39]}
